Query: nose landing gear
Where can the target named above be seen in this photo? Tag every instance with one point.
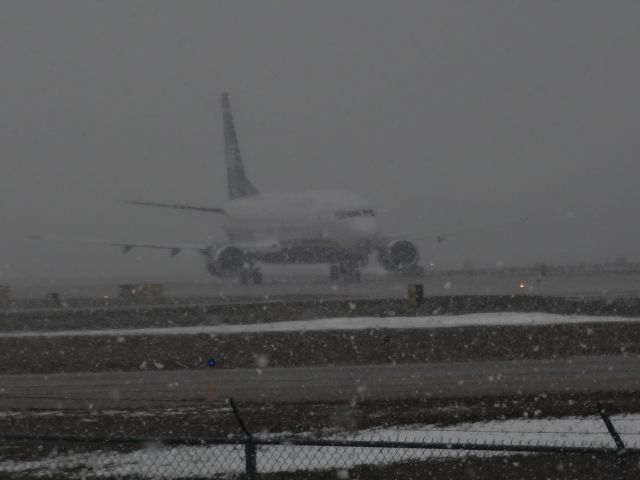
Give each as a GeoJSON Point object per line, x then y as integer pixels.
{"type": "Point", "coordinates": [349, 272]}
{"type": "Point", "coordinates": [251, 274]}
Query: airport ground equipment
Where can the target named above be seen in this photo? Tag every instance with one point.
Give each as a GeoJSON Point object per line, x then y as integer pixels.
{"type": "Point", "coordinates": [416, 294]}
{"type": "Point", "coordinates": [142, 292]}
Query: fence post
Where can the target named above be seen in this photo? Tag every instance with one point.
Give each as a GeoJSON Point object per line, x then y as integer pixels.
{"type": "Point", "coordinates": [251, 464]}
{"type": "Point", "coordinates": [250, 447]}
{"type": "Point", "coordinates": [621, 463]}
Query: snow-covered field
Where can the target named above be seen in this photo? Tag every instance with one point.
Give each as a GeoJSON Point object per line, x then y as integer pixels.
{"type": "Point", "coordinates": [349, 323]}
{"type": "Point", "coordinates": [155, 461]}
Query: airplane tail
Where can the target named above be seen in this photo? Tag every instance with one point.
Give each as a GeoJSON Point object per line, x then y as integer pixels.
{"type": "Point", "coordinates": [238, 183]}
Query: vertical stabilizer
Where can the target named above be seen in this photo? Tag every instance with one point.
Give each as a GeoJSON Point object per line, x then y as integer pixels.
{"type": "Point", "coordinates": [238, 183]}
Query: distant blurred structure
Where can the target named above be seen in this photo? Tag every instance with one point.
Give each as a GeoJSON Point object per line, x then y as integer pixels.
{"type": "Point", "coordinates": [468, 266]}
{"type": "Point", "coordinates": [540, 269]}
{"type": "Point", "coordinates": [54, 298]}
{"type": "Point", "coordinates": [5, 296]}
{"type": "Point", "coordinates": [621, 261]}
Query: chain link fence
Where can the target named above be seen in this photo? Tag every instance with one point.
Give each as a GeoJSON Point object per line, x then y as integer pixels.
{"type": "Point", "coordinates": [32, 456]}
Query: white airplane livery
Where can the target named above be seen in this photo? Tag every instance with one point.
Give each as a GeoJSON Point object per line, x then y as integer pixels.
{"type": "Point", "coordinates": [332, 227]}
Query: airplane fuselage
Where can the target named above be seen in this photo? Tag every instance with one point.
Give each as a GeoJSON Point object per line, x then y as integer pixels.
{"type": "Point", "coordinates": [305, 227]}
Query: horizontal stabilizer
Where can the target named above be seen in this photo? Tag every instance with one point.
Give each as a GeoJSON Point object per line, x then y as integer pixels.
{"type": "Point", "coordinates": [179, 207]}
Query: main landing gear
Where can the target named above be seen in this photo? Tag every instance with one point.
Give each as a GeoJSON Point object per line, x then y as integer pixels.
{"type": "Point", "coordinates": [250, 274]}
{"type": "Point", "coordinates": [349, 272]}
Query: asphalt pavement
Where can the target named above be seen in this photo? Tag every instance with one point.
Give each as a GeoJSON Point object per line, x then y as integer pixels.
{"type": "Point", "coordinates": [153, 388]}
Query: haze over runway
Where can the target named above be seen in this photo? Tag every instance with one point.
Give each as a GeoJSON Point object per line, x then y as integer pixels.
{"type": "Point", "coordinates": [446, 115]}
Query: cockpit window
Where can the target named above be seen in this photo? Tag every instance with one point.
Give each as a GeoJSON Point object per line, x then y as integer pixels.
{"type": "Point", "coordinates": [341, 214]}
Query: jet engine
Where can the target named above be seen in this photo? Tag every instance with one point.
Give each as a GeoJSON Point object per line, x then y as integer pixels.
{"type": "Point", "coordinates": [398, 255]}
{"type": "Point", "coordinates": [226, 261]}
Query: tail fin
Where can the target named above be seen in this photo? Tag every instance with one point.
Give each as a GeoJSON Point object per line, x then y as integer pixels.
{"type": "Point", "coordinates": [238, 183]}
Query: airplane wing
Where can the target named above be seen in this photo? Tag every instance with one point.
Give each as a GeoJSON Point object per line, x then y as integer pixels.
{"type": "Point", "coordinates": [173, 248]}
{"type": "Point", "coordinates": [179, 207]}
{"type": "Point", "coordinates": [442, 236]}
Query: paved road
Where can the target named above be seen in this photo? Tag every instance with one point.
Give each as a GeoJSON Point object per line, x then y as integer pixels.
{"type": "Point", "coordinates": [321, 384]}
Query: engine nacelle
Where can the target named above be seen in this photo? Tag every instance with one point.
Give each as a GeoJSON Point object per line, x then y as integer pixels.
{"type": "Point", "coordinates": [398, 255]}
{"type": "Point", "coordinates": [226, 261]}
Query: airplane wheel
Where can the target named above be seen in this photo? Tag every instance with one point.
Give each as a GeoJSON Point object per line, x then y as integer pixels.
{"type": "Point", "coordinates": [352, 276]}
{"type": "Point", "coordinates": [257, 276]}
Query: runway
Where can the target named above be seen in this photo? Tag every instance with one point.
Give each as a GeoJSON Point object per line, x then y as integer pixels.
{"type": "Point", "coordinates": [580, 375]}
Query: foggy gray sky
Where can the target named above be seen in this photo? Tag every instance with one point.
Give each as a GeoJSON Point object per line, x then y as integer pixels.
{"type": "Point", "coordinates": [446, 114]}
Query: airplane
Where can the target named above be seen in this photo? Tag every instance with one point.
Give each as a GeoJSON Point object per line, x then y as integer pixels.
{"type": "Point", "coordinates": [333, 227]}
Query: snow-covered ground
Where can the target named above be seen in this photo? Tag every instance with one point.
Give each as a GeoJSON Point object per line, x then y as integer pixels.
{"type": "Point", "coordinates": [155, 461]}
{"type": "Point", "coordinates": [348, 323]}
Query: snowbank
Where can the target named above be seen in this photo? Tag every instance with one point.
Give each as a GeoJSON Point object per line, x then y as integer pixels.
{"type": "Point", "coordinates": [350, 323]}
